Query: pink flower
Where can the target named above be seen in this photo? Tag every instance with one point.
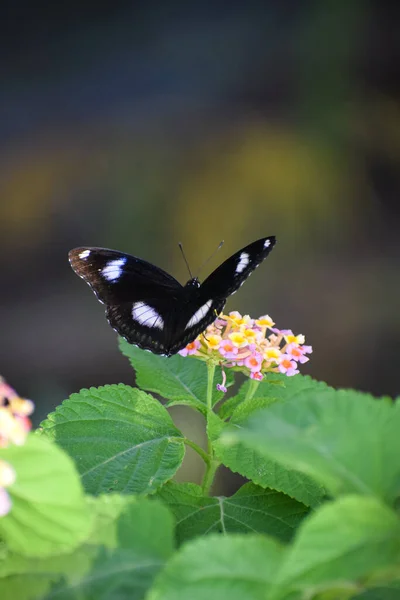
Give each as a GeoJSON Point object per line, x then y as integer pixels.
{"type": "Point", "coordinates": [221, 387]}
{"type": "Point", "coordinates": [256, 375]}
{"type": "Point", "coordinates": [228, 349]}
{"type": "Point", "coordinates": [220, 323]}
{"type": "Point", "coordinates": [297, 353]}
{"type": "Point", "coordinates": [287, 366]}
{"type": "Point", "coordinates": [6, 391]}
{"type": "Point", "coordinates": [264, 321]}
{"type": "Point", "coordinates": [281, 331]}
{"type": "Point", "coordinates": [253, 345]}
{"type": "Point", "coordinates": [254, 362]}
{"type": "Point", "coordinates": [14, 427]}
{"type": "Point", "coordinates": [294, 339]}
{"type": "Point", "coordinates": [190, 348]}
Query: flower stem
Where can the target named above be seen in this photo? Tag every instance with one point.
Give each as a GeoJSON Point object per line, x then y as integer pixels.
{"type": "Point", "coordinates": [210, 381]}
{"type": "Point", "coordinates": [212, 465]}
{"type": "Point", "coordinates": [251, 390]}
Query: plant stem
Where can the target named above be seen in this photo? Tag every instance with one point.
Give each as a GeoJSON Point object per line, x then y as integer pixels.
{"type": "Point", "coordinates": [199, 450]}
{"type": "Point", "coordinates": [210, 381]}
{"type": "Point", "coordinates": [212, 465]}
{"type": "Point", "coordinates": [251, 390]}
{"type": "Point", "coordinates": [209, 476]}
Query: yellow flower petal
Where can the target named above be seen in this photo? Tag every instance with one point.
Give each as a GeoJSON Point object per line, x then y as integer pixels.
{"type": "Point", "coordinates": [238, 339]}
{"type": "Point", "coordinates": [213, 341]}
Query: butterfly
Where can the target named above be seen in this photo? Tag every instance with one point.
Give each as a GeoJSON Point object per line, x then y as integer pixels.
{"type": "Point", "coordinates": [150, 308]}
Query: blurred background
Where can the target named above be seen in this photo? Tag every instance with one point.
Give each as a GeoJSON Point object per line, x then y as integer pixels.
{"type": "Point", "coordinates": [136, 125]}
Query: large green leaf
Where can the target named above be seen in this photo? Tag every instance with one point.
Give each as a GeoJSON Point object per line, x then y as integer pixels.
{"type": "Point", "coordinates": [130, 541]}
{"type": "Point", "coordinates": [233, 567]}
{"type": "Point", "coordinates": [252, 509]}
{"type": "Point", "coordinates": [267, 473]}
{"type": "Point", "coordinates": [120, 438]}
{"type": "Point", "coordinates": [389, 592]}
{"type": "Point", "coordinates": [275, 387]}
{"type": "Point", "coordinates": [346, 440]}
{"type": "Point", "coordinates": [343, 541]}
{"type": "Point", "coordinates": [178, 379]}
{"type": "Point", "coordinates": [49, 512]}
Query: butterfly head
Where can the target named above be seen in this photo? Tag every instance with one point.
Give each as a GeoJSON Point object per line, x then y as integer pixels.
{"type": "Point", "coordinates": [192, 283]}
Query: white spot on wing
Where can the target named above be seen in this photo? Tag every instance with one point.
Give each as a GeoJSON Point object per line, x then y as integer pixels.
{"type": "Point", "coordinates": [84, 254]}
{"type": "Point", "coordinates": [267, 243]}
{"type": "Point", "coordinates": [146, 315]}
{"type": "Point", "coordinates": [199, 314]}
{"type": "Point", "coordinates": [244, 260]}
{"type": "Point", "coordinates": [113, 270]}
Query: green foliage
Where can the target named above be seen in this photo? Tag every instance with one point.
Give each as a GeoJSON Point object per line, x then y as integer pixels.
{"type": "Point", "coordinates": [248, 461]}
{"type": "Point", "coordinates": [120, 438]}
{"type": "Point", "coordinates": [276, 387]}
{"type": "Point", "coordinates": [129, 541]}
{"type": "Point", "coordinates": [317, 521]}
{"type": "Point", "coordinates": [177, 379]}
{"type": "Point", "coordinates": [252, 509]}
{"type": "Point", "coordinates": [220, 568]}
{"type": "Point", "coordinates": [347, 441]}
{"type": "Point", "coordinates": [49, 509]}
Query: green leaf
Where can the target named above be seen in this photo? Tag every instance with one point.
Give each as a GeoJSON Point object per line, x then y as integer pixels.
{"type": "Point", "coordinates": [390, 592]}
{"type": "Point", "coordinates": [346, 440]}
{"type": "Point", "coordinates": [242, 458]}
{"type": "Point", "coordinates": [49, 512]}
{"type": "Point", "coordinates": [251, 509]}
{"type": "Point", "coordinates": [234, 567]}
{"type": "Point", "coordinates": [344, 540]}
{"type": "Point", "coordinates": [130, 541]}
{"type": "Point", "coordinates": [120, 438]}
{"type": "Point", "coordinates": [179, 379]}
{"type": "Point", "coordinates": [275, 387]}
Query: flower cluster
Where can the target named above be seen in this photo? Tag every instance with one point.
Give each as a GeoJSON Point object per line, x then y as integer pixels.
{"type": "Point", "coordinates": [14, 427]}
{"type": "Point", "coordinates": [253, 346]}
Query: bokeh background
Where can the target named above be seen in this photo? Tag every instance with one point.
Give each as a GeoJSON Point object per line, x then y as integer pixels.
{"type": "Point", "coordinates": [138, 125]}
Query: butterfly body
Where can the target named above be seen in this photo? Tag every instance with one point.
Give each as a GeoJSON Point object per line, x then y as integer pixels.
{"type": "Point", "coordinates": [149, 307]}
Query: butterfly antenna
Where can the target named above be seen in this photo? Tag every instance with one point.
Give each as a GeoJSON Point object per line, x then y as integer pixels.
{"type": "Point", "coordinates": [212, 255]}
{"type": "Point", "coordinates": [184, 258]}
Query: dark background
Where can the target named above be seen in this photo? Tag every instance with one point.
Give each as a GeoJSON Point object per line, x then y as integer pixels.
{"type": "Point", "coordinates": [138, 125]}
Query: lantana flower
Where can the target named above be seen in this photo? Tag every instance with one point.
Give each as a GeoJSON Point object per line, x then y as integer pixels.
{"type": "Point", "coordinates": [252, 346]}
{"type": "Point", "coordinates": [14, 427]}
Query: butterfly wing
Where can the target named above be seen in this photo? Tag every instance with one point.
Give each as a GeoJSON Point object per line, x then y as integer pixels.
{"type": "Point", "coordinates": [116, 277]}
{"type": "Point", "coordinates": [229, 276]}
{"type": "Point", "coordinates": [201, 305]}
{"type": "Point", "coordinates": [141, 298]}
{"type": "Point", "coordinates": [194, 313]}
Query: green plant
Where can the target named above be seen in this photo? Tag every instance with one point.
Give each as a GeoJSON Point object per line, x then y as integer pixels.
{"type": "Point", "coordinates": [96, 515]}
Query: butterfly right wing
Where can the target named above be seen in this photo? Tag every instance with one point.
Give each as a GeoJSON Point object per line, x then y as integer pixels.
{"type": "Point", "coordinates": [233, 272]}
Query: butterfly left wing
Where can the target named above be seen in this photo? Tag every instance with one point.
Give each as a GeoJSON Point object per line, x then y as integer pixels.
{"type": "Point", "coordinates": [228, 277]}
{"type": "Point", "coordinates": [147, 324]}
{"type": "Point", "coordinates": [116, 277]}
{"type": "Point", "coordinates": [140, 298]}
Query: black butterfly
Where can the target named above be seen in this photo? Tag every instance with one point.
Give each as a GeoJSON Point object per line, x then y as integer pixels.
{"type": "Point", "coordinates": [151, 309]}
